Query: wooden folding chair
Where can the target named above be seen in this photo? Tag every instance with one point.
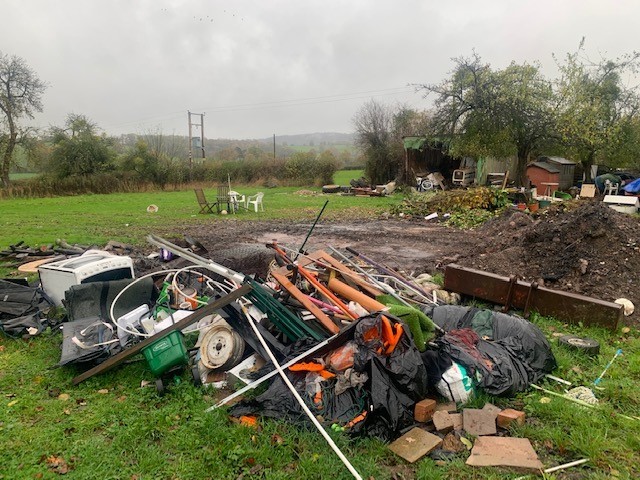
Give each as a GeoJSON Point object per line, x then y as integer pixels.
{"type": "Point", "coordinates": [224, 199]}
{"type": "Point", "coordinates": [205, 206]}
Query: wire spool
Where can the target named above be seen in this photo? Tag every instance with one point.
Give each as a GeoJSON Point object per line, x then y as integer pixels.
{"type": "Point", "coordinates": [221, 348]}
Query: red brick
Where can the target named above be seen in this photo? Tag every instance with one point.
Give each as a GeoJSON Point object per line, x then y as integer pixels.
{"type": "Point", "coordinates": [510, 416]}
{"type": "Point", "coordinates": [424, 409]}
{"type": "Point", "coordinates": [442, 421]}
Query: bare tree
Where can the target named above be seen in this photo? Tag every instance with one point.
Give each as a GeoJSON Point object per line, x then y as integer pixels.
{"type": "Point", "coordinates": [20, 96]}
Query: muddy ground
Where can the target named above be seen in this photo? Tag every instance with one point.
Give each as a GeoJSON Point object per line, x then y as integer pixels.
{"type": "Point", "coordinates": [582, 247]}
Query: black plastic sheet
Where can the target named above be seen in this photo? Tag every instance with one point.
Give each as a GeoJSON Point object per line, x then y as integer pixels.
{"type": "Point", "coordinates": [512, 354]}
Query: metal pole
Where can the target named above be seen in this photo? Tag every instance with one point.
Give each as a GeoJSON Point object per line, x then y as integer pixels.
{"type": "Point", "coordinates": [274, 145]}
{"type": "Point", "coordinates": [297, 396]}
{"type": "Point", "coordinates": [310, 230]}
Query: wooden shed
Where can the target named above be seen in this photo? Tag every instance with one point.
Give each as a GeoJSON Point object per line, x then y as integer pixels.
{"type": "Point", "coordinates": [566, 167]}
{"type": "Point", "coordinates": [424, 155]}
{"type": "Point", "coordinates": [544, 176]}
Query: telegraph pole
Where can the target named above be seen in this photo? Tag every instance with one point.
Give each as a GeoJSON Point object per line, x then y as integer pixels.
{"type": "Point", "coordinates": [198, 140]}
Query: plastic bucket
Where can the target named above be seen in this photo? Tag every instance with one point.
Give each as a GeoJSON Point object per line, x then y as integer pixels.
{"type": "Point", "coordinates": [533, 207]}
{"type": "Point", "coordinates": [544, 203]}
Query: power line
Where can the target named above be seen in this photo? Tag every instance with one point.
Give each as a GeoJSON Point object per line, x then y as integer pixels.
{"type": "Point", "coordinates": [276, 104]}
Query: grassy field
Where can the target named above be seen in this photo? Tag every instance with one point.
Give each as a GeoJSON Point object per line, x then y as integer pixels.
{"type": "Point", "coordinates": [110, 428]}
{"type": "Point", "coordinates": [96, 219]}
{"type": "Point", "coordinates": [21, 176]}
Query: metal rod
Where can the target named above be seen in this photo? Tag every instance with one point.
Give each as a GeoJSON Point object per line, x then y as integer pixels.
{"type": "Point", "coordinates": [388, 271]}
{"type": "Point", "coordinates": [297, 396]}
{"type": "Point", "coordinates": [310, 230]}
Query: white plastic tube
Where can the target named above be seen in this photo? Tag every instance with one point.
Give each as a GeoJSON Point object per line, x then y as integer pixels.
{"type": "Point", "coordinates": [286, 380]}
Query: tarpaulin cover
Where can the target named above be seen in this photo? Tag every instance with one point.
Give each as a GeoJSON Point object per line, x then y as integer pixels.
{"type": "Point", "coordinates": [22, 308]}
{"type": "Point", "coordinates": [506, 352]}
{"type": "Point", "coordinates": [396, 382]}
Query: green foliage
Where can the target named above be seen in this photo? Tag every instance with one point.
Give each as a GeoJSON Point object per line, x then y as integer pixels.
{"type": "Point", "coordinates": [596, 109]}
{"type": "Point", "coordinates": [483, 111]}
{"type": "Point", "coordinates": [469, 219]}
{"type": "Point", "coordinates": [453, 201]}
{"type": "Point", "coordinates": [78, 151]}
{"type": "Point", "coordinates": [20, 97]}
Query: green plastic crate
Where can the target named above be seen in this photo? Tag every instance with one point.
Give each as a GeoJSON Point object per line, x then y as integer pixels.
{"type": "Point", "coordinates": [166, 353]}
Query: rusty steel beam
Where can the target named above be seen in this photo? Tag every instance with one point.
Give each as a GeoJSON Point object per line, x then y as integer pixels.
{"type": "Point", "coordinates": [513, 293]}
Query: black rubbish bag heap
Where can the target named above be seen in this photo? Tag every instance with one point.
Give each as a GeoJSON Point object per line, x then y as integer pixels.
{"type": "Point", "coordinates": [371, 390]}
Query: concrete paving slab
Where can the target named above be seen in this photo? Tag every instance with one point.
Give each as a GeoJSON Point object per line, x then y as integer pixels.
{"type": "Point", "coordinates": [415, 444]}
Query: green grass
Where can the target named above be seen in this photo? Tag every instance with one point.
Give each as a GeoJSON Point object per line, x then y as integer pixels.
{"type": "Point", "coordinates": [96, 219]}
{"type": "Point", "coordinates": [129, 432]}
{"type": "Point", "coordinates": [343, 177]}
{"type": "Point", "coordinates": [21, 176]}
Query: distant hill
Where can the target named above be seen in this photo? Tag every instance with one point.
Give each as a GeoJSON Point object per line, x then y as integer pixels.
{"type": "Point", "coordinates": [314, 139]}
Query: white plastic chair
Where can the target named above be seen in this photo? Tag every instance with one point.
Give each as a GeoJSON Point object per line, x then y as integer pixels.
{"type": "Point", "coordinates": [237, 199]}
{"type": "Point", "coordinates": [610, 188]}
{"type": "Point", "coordinates": [255, 200]}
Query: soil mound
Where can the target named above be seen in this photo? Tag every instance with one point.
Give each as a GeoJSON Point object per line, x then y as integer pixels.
{"type": "Point", "coordinates": [584, 247]}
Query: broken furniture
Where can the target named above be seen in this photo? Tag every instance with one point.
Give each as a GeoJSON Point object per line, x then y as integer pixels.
{"type": "Point", "coordinates": [256, 201]}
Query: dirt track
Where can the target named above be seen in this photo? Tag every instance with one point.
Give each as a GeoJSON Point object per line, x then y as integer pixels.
{"type": "Point", "coordinates": [586, 248]}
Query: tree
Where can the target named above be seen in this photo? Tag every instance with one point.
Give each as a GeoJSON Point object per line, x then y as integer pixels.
{"type": "Point", "coordinates": [595, 109]}
{"type": "Point", "coordinates": [379, 130]}
{"type": "Point", "coordinates": [482, 111]}
{"type": "Point", "coordinates": [79, 150]}
{"type": "Point", "coordinates": [20, 96]}
{"type": "Point", "coordinates": [373, 123]}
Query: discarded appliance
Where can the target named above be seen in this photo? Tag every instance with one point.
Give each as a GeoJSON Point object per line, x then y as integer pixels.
{"type": "Point", "coordinates": [622, 203]}
{"type": "Point", "coordinates": [93, 266]}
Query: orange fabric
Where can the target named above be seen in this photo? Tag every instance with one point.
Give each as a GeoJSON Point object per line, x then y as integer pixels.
{"type": "Point", "coordinates": [357, 419]}
{"type": "Point", "coordinates": [306, 367]}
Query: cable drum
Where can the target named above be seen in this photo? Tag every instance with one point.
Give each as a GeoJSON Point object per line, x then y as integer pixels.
{"type": "Point", "coordinates": [221, 348]}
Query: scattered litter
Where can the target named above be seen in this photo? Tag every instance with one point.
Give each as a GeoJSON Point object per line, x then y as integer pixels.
{"type": "Point", "coordinates": [583, 394]}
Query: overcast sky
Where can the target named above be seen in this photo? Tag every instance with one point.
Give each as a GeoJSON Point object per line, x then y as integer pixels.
{"type": "Point", "coordinates": [256, 68]}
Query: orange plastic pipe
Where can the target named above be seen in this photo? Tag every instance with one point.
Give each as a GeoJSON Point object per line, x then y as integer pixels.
{"type": "Point", "coordinates": [350, 293]}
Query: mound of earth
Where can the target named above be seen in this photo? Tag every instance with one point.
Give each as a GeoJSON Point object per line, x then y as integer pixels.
{"type": "Point", "coordinates": [586, 248]}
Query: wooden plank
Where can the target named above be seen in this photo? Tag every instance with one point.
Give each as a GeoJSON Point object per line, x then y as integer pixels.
{"type": "Point", "coordinates": [565, 306]}
{"type": "Point", "coordinates": [182, 324]}
{"type": "Point", "coordinates": [322, 317]}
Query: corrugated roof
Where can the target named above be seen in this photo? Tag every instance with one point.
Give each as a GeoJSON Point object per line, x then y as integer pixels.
{"type": "Point", "coordinates": [559, 160]}
{"type": "Point", "coordinates": [544, 165]}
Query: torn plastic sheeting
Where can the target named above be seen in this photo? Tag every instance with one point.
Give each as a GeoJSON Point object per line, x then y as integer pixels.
{"type": "Point", "coordinates": [21, 309]}
{"type": "Point", "coordinates": [518, 355]}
